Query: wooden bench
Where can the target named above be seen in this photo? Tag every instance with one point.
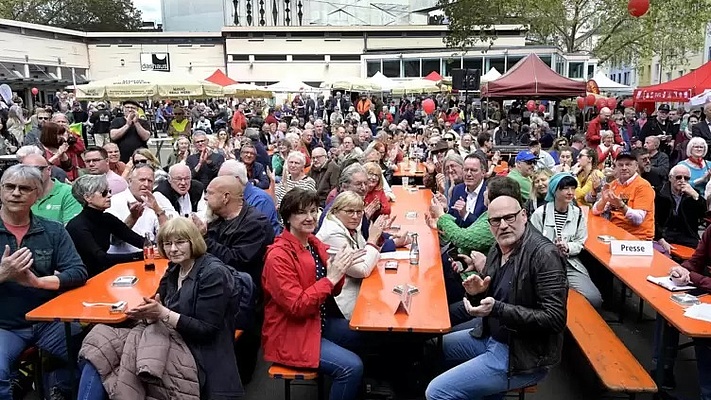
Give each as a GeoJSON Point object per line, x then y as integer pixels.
{"type": "Point", "coordinates": [683, 253]}
{"type": "Point", "coordinates": [289, 374]}
{"type": "Point", "coordinates": [617, 368]}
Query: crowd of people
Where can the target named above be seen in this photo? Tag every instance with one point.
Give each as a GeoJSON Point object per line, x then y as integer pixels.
{"type": "Point", "coordinates": [297, 198]}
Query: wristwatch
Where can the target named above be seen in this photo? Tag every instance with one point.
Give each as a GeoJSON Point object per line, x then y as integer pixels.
{"type": "Point", "coordinates": [166, 318]}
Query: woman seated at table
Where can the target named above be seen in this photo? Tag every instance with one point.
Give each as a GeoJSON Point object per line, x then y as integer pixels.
{"type": "Point", "coordinates": [92, 229]}
{"type": "Point", "coordinates": [375, 192]}
{"type": "Point", "coordinates": [279, 158]}
{"type": "Point", "coordinates": [194, 300]}
{"type": "Point", "coordinates": [62, 148]}
{"type": "Point", "coordinates": [340, 229]}
{"type": "Point", "coordinates": [293, 176]}
{"type": "Point", "coordinates": [700, 167]}
{"type": "Point", "coordinates": [608, 150]}
{"type": "Point", "coordinates": [303, 326]}
{"type": "Point", "coordinates": [540, 190]}
{"type": "Point", "coordinates": [590, 178]}
{"type": "Point", "coordinates": [561, 221]}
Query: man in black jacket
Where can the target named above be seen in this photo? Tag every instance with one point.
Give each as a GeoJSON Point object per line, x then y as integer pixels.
{"type": "Point", "coordinates": [238, 235]}
{"type": "Point", "coordinates": [521, 297]}
{"type": "Point", "coordinates": [184, 193]}
{"type": "Point", "coordinates": [324, 172]}
{"type": "Point", "coordinates": [205, 163]}
{"type": "Point", "coordinates": [678, 211]}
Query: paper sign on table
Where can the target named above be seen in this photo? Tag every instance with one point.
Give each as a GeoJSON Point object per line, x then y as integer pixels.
{"type": "Point", "coordinates": [631, 248]}
{"type": "Point", "coordinates": [668, 284]}
{"type": "Point", "coordinates": [699, 311]}
{"type": "Point", "coordinates": [395, 255]}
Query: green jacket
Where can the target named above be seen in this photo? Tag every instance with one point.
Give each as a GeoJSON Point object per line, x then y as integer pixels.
{"type": "Point", "coordinates": [477, 236]}
{"type": "Point", "coordinates": [525, 183]}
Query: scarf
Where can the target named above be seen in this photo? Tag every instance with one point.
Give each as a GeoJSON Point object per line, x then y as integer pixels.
{"type": "Point", "coordinates": [698, 162]}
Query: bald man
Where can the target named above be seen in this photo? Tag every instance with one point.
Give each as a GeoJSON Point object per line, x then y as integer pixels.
{"type": "Point", "coordinates": [324, 172]}
{"type": "Point", "coordinates": [602, 123]}
{"type": "Point", "coordinates": [238, 235]}
{"type": "Point", "coordinates": [56, 201]}
{"type": "Point", "coordinates": [184, 193]}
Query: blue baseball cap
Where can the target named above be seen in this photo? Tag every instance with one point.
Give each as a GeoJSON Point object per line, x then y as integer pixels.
{"type": "Point", "coordinates": [526, 155]}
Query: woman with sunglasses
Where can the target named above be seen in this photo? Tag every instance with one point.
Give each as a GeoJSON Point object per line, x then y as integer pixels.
{"type": "Point", "coordinates": [92, 229]}
{"type": "Point", "coordinates": [696, 161]}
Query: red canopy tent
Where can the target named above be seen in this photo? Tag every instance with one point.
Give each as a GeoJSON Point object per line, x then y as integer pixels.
{"type": "Point", "coordinates": [219, 78]}
{"type": "Point", "coordinates": [434, 76]}
{"type": "Point", "coordinates": [531, 77]}
{"type": "Point", "coordinates": [680, 89]}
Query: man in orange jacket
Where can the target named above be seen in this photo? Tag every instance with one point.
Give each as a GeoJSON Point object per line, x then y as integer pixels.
{"type": "Point", "coordinates": [363, 107]}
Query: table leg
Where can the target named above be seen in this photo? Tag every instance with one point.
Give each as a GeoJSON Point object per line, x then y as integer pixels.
{"type": "Point", "coordinates": [661, 332]}
{"type": "Point", "coordinates": [71, 359]}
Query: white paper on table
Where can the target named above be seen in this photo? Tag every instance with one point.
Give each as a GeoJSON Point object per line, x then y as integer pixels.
{"type": "Point", "coordinates": [699, 311]}
{"type": "Point", "coordinates": [395, 255]}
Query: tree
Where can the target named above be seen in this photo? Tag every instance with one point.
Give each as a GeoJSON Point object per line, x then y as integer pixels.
{"type": "Point", "coordinates": [83, 15]}
{"type": "Point", "coordinates": [604, 29]}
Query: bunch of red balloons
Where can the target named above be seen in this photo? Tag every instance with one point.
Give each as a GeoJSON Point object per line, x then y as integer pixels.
{"type": "Point", "coordinates": [599, 102]}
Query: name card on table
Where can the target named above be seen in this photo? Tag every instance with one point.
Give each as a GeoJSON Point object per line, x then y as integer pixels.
{"type": "Point", "coordinates": [404, 303]}
{"type": "Point", "coordinates": [631, 248]}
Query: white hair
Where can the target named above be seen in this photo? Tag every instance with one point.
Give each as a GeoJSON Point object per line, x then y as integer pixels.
{"type": "Point", "coordinates": [25, 151]}
{"type": "Point", "coordinates": [697, 141]}
{"type": "Point", "coordinates": [298, 155]}
{"type": "Point", "coordinates": [234, 168]}
{"type": "Point", "coordinates": [678, 167]}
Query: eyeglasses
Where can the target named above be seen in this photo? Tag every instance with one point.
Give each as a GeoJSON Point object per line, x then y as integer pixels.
{"type": "Point", "coordinates": [136, 162]}
{"type": "Point", "coordinates": [200, 141]}
{"type": "Point", "coordinates": [106, 192]}
{"type": "Point", "coordinates": [178, 243]}
{"type": "Point", "coordinates": [24, 189]}
{"type": "Point", "coordinates": [353, 213]}
{"type": "Point", "coordinates": [508, 218]}
{"type": "Point", "coordinates": [449, 139]}
{"type": "Point", "coordinates": [684, 177]}
{"type": "Point", "coordinates": [43, 118]}
{"type": "Point", "coordinates": [374, 176]}
{"type": "Point", "coordinates": [530, 162]}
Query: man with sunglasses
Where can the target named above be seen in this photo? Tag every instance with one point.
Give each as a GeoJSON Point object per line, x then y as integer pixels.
{"type": "Point", "coordinates": [129, 132]}
{"type": "Point", "coordinates": [520, 294]}
{"type": "Point", "coordinates": [523, 171]}
{"type": "Point", "coordinates": [57, 203]}
{"type": "Point", "coordinates": [32, 137]}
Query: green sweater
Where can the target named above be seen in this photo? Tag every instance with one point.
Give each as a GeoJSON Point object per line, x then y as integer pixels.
{"type": "Point", "coordinates": [524, 183]}
{"type": "Point", "coordinates": [477, 236]}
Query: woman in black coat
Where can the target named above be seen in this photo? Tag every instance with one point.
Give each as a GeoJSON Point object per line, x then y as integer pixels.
{"type": "Point", "coordinates": [92, 229]}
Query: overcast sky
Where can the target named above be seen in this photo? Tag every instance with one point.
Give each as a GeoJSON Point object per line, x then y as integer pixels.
{"type": "Point", "coordinates": [150, 9]}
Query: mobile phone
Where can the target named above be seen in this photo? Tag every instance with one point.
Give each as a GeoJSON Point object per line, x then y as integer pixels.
{"type": "Point", "coordinates": [467, 274]}
{"type": "Point", "coordinates": [698, 292]}
{"type": "Point", "coordinates": [117, 307]}
{"type": "Point", "coordinates": [391, 265]}
{"type": "Point", "coordinates": [454, 255]}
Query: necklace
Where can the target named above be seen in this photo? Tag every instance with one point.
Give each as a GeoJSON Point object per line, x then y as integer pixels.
{"type": "Point", "coordinates": [182, 276]}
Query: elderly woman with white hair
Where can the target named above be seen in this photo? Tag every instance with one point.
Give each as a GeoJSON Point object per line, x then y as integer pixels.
{"type": "Point", "coordinates": [700, 168]}
{"type": "Point", "coordinates": [607, 150]}
{"type": "Point", "coordinates": [294, 176]}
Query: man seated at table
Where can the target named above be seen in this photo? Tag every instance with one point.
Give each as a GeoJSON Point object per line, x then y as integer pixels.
{"type": "Point", "coordinates": [254, 196]}
{"type": "Point", "coordinates": [32, 274]}
{"type": "Point", "coordinates": [693, 271]}
{"type": "Point", "coordinates": [629, 202]}
{"type": "Point", "coordinates": [659, 160]}
{"type": "Point", "coordinates": [138, 208]}
{"type": "Point", "coordinates": [57, 203]}
{"type": "Point", "coordinates": [114, 154]}
{"type": "Point", "coordinates": [97, 163]}
{"type": "Point", "coordinates": [679, 209]}
{"type": "Point", "coordinates": [645, 170]}
{"type": "Point", "coordinates": [238, 235]}
{"type": "Point", "coordinates": [256, 172]}
{"type": "Point", "coordinates": [185, 195]}
{"type": "Point", "coordinates": [434, 167]}
{"type": "Point", "coordinates": [324, 172]}
{"type": "Point", "coordinates": [204, 163]}
{"type": "Point", "coordinates": [523, 171]}
{"type": "Point", "coordinates": [521, 334]}
{"type": "Point", "coordinates": [57, 173]}
{"type": "Point", "coordinates": [467, 201]}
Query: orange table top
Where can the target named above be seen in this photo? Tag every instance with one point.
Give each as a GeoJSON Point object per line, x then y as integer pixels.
{"type": "Point", "coordinates": [376, 304]}
{"type": "Point", "coordinates": [410, 169]}
{"type": "Point", "coordinates": [633, 271]}
{"type": "Point", "coordinates": [68, 306]}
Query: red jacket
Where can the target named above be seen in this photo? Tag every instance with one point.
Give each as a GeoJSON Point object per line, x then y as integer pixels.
{"type": "Point", "coordinates": [291, 334]}
{"type": "Point", "coordinates": [593, 134]}
{"type": "Point", "coordinates": [384, 202]}
{"type": "Point", "coordinates": [699, 263]}
{"type": "Point", "coordinates": [239, 122]}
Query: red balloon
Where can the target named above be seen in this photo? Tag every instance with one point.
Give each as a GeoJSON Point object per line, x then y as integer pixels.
{"type": "Point", "coordinates": [638, 8]}
{"type": "Point", "coordinates": [601, 103]}
{"type": "Point", "coordinates": [428, 105]}
{"type": "Point", "coordinates": [627, 103]}
{"type": "Point", "coordinates": [612, 103]}
{"type": "Point", "coordinates": [590, 100]}
{"type": "Point", "coordinates": [34, 91]}
{"type": "Point", "coordinates": [581, 102]}
{"type": "Point", "coordinates": [541, 108]}
{"type": "Point", "coordinates": [530, 105]}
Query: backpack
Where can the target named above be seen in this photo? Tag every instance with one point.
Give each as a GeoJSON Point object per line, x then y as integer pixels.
{"type": "Point", "coordinates": [243, 299]}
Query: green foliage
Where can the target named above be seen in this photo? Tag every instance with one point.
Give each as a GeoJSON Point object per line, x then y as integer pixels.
{"type": "Point", "coordinates": [83, 15]}
{"type": "Point", "coordinates": [605, 29]}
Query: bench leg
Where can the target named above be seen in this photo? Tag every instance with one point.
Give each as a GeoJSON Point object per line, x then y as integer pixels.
{"type": "Point", "coordinates": [37, 369]}
{"type": "Point", "coordinates": [319, 387]}
{"type": "Point", "coordinates": [522, 394]}
{"type": "Point", "coordinates": [287, 389]}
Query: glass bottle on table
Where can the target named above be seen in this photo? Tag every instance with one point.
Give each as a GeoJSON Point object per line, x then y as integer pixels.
{"type": "Point", "coordinates": [414, 250]}
{"type": "Point", "coordinates": [148, 253]}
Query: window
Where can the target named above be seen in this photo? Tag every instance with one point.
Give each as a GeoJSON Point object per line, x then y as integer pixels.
{"type": "Point", "coordinates": [591, 70]}
{"type": "Point", "coordinates": [429, 65]}
{"type": "Point", "coordinates": [306, 57]}
{"type": "Point", "coordinates": [473, 63]}
{"type": "Point", "coordinates": [656, 70]}
{"type": "Point", "coordinates": [411, 68]}
{"type": "Point", "coordinates": [391, 68]}
{"type": "Point", "coordinates": [575, 70]}
{"type": "Point", "coordinates": [372, 67]}
{"type": "Point", "coordinates": [510, 62]}
{"type": "Point", "coordinates": [681, 73]}
{"type": "Point", "coordinates": [269, 57]}
{"type": "Point", "coordinates": [495, 62]}
{"type": "Point", "coordinates": [240, 57]}
{"type": "Point", "coordinates": [669, 76]}
{"type": "Point", "coordinates": [345, 57]}
{"type": "Point", "coordinates": [626, 80]}
{"type": "Point", "coordinates": [450, 64]}
{"type": "Point", "coordinates": [546, 59]}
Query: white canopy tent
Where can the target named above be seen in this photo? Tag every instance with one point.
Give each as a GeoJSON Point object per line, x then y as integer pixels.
{"type": "Point", "coordinates": [493, 74]}
{"type": "Point", "coordinates": [606, 84]}
{"type": "Point", "coordinates": [383, 81]}
{"type": "Point", "coordinates": [291, 86]}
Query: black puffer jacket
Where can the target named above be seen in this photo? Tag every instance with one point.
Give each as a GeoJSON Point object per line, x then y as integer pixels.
{"type": "Point", "coordinates": [536, 318]}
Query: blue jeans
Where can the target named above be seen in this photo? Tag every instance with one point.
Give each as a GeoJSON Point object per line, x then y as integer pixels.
{"type": "Point", "coordinates": [341, 364]}
{"type": "Point", "coordinates": [90, 386]}
{"type": "Point", "coordinates": [48, 337]}
{"type": "Point", "coordinates": [479, 370]}
{"type": "Point", "coordinates": [702, 347]}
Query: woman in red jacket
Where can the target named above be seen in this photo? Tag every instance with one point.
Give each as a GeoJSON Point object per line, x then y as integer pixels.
{"type": "Point", "coordinates": [303, 326]}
